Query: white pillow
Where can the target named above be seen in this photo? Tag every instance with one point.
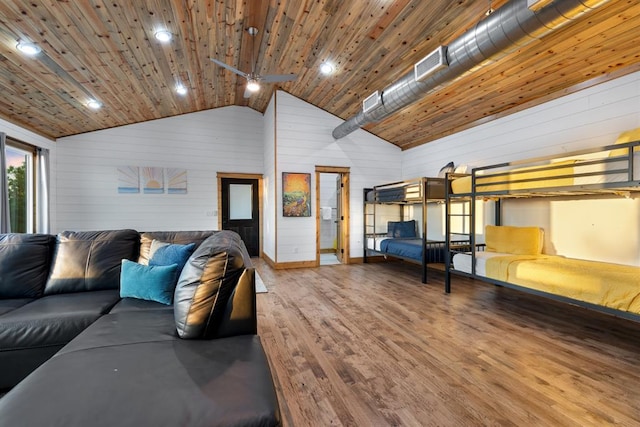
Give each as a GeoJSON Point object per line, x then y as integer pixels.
{"type": "Point", "coordinates": [461, 169]}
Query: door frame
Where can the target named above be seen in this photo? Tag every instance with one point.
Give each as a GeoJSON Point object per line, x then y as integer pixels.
{"type": "Point", "coordinates": [344, 173]}
{"type": "Point", "coordinates": [220, 176]}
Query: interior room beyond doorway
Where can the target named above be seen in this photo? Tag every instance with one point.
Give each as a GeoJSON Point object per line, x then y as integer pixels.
{"type": "Point", "coordinates": [332, 201]}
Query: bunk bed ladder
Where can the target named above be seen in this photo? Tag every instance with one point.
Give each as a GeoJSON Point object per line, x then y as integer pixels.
{"type": "Point", "coordinates": [424, 189]}
{"type": "Point", "coordinates": [369, 220]}
{"type": "Point", "coordinates": [447, 236]}
{"type": "Point", "coordinates": [464, 215]}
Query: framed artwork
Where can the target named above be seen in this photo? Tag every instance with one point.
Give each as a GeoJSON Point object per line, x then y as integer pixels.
{"type": "Point", "coordinates": [128, 180]}
{"type": "Point", "coordinates": [152, 180]}
{"type": "Point", "coordinates": [176, 181]}
{"type": "Point", "coordinates": [296, 194]}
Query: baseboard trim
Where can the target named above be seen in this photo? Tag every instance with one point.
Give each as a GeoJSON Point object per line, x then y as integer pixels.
{"type": "Point", "coordinates": [311, 264]}
{"type": "Point", "coordinates": [380, 258]}
{"type": "Point", "coordinates": [268, 260]}
{"type": "Point", "coordinates": [287, 265]}
{"type": "Point", "coordinates": [294, 264]}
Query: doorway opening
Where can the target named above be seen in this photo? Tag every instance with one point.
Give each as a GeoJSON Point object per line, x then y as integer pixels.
{"type": "Point", "coordinates": [240, 207]}
{"type": "Point", "coordinates": [332, 219]}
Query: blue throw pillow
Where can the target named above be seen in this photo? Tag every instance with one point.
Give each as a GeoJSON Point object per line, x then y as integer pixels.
{"type": "Point", "coordinates": [172, 254]}
{"type": "Point", "coordinates": [148, 282]}
{"type": "Point", "coordinates": [401, 229]}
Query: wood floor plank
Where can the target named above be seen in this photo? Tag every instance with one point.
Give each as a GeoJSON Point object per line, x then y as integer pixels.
{"type": "Point", "coordinates": [370, 345]}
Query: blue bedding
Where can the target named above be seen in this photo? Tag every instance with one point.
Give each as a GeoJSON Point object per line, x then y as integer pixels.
{"type": "Point", "coordinates": [412, 249]}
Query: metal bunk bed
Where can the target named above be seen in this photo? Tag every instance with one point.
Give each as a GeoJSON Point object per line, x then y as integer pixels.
{"type": "Point", "coordinates": [379, 235]}
{"type": "Point", "coordinates": [607, 170]}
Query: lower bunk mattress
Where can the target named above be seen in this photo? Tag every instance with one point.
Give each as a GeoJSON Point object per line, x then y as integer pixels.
{"type": "Point", "coordinates": [614, 286]}
{"type": "Point", "coordinates": [408, 248]}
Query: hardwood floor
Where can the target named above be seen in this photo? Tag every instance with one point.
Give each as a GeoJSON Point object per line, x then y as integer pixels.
{"type": "Point", "coordinates": [369, 345]}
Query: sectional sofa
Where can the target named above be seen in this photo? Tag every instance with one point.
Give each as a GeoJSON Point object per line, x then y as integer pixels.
{"type": "Point", "coordinates": [88, 338]}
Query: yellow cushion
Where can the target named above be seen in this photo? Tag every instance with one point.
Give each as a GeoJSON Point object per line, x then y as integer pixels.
{"type": "Point", "coordinates": [514, 240]}
{"type": "Point", "coordinates": [627, 136]}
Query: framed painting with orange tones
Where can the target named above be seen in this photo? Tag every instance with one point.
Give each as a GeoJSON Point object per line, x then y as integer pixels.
{"type": "Point", "coordinates": [296, 194]}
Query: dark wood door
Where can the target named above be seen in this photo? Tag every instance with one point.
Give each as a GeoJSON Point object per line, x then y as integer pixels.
{"type": "Point", "coordinates": [240, 211]}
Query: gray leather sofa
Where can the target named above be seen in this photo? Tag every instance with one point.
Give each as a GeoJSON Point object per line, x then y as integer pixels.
{"type": "Point", "coordinates": [122, 361]}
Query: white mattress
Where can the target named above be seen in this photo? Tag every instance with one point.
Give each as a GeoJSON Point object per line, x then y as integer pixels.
{"type": "Point", "coordinates": [462, 261]}
{"type": "Point", "coordinates": [374, 244]}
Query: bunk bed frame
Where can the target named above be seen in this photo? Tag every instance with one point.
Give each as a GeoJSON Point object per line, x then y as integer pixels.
{"type": "Point", "coordinates": [420, 191]}
{"type": "Point", "coordinates": [606, 170]}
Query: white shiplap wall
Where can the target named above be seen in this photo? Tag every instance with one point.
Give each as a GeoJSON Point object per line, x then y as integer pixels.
{"type": "Point", "coordinates": [304, 140]}
{"type": "Point", "coordinates": [269, 184]}
{"type": "Point", "coordinates": [607, 229]}
{"type": "Point", "coordinates": [221, 140]}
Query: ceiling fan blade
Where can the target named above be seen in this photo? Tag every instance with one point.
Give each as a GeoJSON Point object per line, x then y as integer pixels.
{"type": "Point", "coordinates": [273, 78]}
{"type": "Point", "coordinates": [229, 67]}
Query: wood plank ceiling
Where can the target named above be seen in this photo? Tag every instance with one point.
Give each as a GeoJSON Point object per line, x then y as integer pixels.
{"type": "Point", "coordinates": [106, 50]}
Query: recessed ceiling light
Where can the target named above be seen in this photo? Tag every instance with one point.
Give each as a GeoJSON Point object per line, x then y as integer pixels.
{"type": "Point", "coordinates": [163, 36]}
{"type": "Point", "coordinates": [28, 48]}
{"type": "Point", "coordinates": [326, 68]}
{"type": "Point", "coordinates": [93, 104]}
{"type": "Point", "coordinates": [180, 89]}
{"type": "Point", "coordinates": [253, 85]}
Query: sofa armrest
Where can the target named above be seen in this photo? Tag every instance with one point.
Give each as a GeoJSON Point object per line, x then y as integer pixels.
{"type": "Point", "coordinates": [240, 316]}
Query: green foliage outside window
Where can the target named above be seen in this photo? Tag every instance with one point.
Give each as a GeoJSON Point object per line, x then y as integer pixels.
{"type": "Point", "coordinates": [17, 183]}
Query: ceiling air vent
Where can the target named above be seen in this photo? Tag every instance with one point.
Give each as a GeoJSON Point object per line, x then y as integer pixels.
{"type": "Point", "coordinates": [431, 63]}
{"type": "Point", "coordinates": [371, 102]}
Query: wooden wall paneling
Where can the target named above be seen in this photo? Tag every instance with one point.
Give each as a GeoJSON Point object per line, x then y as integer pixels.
{"type": "Point", "coordinates": [107, 50]}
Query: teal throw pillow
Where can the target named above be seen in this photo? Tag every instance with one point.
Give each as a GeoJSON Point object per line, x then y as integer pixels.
{"type": "Point", "coordinates": [148, 282]}
{"type": "Point", "coordinates": [155, 245]}
{"type": "Point", "coordinates": [172, 254]}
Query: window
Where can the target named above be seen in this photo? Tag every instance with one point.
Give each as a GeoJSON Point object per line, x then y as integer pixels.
{"type": "Point", "coordinates": [20, 158]}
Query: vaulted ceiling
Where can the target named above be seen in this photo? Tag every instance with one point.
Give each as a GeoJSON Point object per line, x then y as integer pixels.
{"type": "Point", "coordinates": [106, 50]}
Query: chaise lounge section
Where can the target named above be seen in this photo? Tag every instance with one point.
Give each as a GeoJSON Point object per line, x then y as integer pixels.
{"type": "Point", "coordinates": [129, 362]}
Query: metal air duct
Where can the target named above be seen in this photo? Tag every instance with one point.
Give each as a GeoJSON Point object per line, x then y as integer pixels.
{"type": "Point", "coordinates": [509, 28]}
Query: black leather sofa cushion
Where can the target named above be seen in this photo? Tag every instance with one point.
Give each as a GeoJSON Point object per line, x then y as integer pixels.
{"type": "Point", "coordinates": [33, 332]}
{"type": "Point", "coordinates": [53, 319]}
{"type": "Point", "coordinates": [90, 260]}
{"type": "Point", "coordinates": [207, 281]}
{"type": "Point", "coordinates": [25, 260]}
{"type": "Point", "coordinates": [130, 369]}
{"type": "Point", "coordinates": [177, 237]}
{"type": "Point", "coordinates": [7, 305]}
{"type": "Point", "coordinates": [124, 328]}
{"type": "Point", "coordinates": [135, 304]}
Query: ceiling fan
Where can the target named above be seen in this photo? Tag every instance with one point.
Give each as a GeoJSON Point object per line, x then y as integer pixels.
{"type": "Point", "coordinates": [254, 79]}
